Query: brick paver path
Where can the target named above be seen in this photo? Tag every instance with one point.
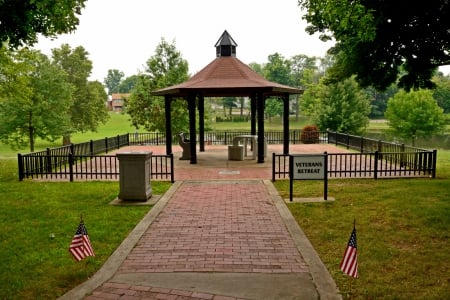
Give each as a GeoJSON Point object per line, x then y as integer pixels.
{"type": "Point", "coordinates": [209, 226]}
{"type": "Point", "coordinates": [217, 227]}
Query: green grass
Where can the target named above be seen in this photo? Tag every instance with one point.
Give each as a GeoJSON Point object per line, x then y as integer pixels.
{"type": "Point", "coordinates": [402, 228]}
{"type": "Point", "coordinates": [33, 264]}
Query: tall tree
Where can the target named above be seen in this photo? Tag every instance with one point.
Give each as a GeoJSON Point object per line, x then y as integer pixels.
{"type": "Point", "coordinates": [379, 100]}
{"type": "Point", "coordinates": [442, 91]}
{"type": "Point", "coordinates": [302, 67]}
{"type": "Point", "coordinates": [22, 21]}
{"type": "Point", "coordinates": [382, 40]}
{"type": "Point", "coordinates": [43, 110]}
{"type": "Point", "coordinates": [113, 80]}
{"type": "Point", "coordinates": [88, 109]}
{"type": "Point", "coordinates": [341, 107]}
{"type": "Point", "coordinates": [127, 85]}
{"type": "Point", "coordinates": [277, 69]}
{"type": "Point", "coordinates": [166, 67]}
{"type": "Point", "coordinates": [414, 114]}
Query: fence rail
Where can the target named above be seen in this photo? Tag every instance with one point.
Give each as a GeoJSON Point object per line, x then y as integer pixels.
{"type": "Point", "coordinates": [368, 165]}
{"type": "Point", "coordinates": [91, 160]}
{"type": "Point", "coordinates": [89, 167]}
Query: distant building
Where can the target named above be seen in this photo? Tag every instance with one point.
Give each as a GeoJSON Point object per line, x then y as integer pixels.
{"type": "Point", "coordinates": [117, 101]}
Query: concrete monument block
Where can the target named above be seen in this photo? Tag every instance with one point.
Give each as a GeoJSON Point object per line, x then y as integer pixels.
{"type": "Point", "coordinates": [135, 171]}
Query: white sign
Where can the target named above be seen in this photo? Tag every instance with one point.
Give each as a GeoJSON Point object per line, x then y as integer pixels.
{"type": "Point", "coordinates": [308, 167]}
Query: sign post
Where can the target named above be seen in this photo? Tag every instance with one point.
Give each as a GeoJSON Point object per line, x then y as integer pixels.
{"type": "Point", "coordinates": [308, 167]}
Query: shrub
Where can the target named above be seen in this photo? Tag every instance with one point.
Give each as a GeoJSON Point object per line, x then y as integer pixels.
{"type": "Point", "coordinates": [310, 134]}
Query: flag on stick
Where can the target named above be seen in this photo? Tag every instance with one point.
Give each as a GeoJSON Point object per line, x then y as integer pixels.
{"type": "Point", "coordinates": [349, 263]}
{"type": "Point", "coordinates": [81, 247]}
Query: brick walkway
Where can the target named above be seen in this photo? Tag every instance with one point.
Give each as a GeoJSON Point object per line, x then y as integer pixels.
{"type": "Point", "coordinates": [209, 226]}
{"type": "Point", "coordinates": [217, 227]}
{"type": "Point", "coordinates": [221, 235]}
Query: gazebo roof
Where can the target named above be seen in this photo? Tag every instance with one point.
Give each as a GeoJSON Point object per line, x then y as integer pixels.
{"type": "Point", "coordinates": [227, 76]}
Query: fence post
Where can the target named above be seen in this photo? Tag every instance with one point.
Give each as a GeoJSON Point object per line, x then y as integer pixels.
{"type": "Point", "coordinates": [172, 175]}
{"type": "Point", "coordinates": [21, 171]}
{"type": "Point", "coordinates": [348, 141]}
{"type": "Point", "coordinates": [118, 141]}
{"type": "Point", "coordinates": [273, 166]}
{"type": "Point", "coordinates": [71, 163]}
{"type": "Point", "coordinates": [91, 147]}
{"type": "Point", "coordinates": [106, 144]}
{"type": "Point", "coordinates": [375, 167]}
{"type": "Point", "coordinates": [336, 137]}
{"type": "Point", "coordinates": [433, 174]}
{"type": "Point", "coordinates": [48, 161]}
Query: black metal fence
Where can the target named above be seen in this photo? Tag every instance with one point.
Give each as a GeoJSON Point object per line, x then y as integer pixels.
{"type": "Point", "coordinates": [90, 160]}
{"type": "Point", "coordinates": [272, 137]}
{"type": "Point", "coordinates": [375, 159]}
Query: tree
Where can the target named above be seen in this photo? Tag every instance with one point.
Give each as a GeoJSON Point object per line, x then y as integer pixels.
{"type": "Point", "coordinates": [22, 21]}
{"type": "Point", "coordinates": [165, 68]}
{"type": "Point", "coordinates": [113, 80]}
{"type": "Point", "coordinates": [302, 68]}
{"type": "Point", "coordinates": [414, 114]}
{"type": "Point", "coordinates": [278, 69]}
{"type": "Point", "coordinates": [229, 102]}
{"type": "Point", "coordinates": [379, 100]}
{"type": "Point", "coordinates": [88, 109]}
{"type": "Point", "coordinates": [42, 109]}
{"type": "Point", "coordinates": [341, 107]}
{"type": "Point", "coordinates": [382, 40]}
{"type": "Point", "coordinates": [127, 85]}
{"type": "Point", "coordinates": [442, 92]}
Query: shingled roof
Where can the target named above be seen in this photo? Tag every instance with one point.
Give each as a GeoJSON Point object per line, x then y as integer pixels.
{"type": "Point", "coordinates": [227, 76]}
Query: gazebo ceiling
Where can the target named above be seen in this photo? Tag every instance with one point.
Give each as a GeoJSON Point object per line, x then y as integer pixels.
{"type": "Point", "coordinates": [226, 76]}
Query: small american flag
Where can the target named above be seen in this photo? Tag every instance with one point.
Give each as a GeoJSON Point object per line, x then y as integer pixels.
{"type": "Point", "coordinates": [349, 263]}
{"type": "Point", "coordinates": [81, 247]}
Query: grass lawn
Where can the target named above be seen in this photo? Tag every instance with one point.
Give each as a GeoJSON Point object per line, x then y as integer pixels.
{"type": "Point", "coordinates": [402, 229]}
{"type": "Point", "coordinates": [402, 224]}
{"type": "Point", "coordinates": [33, 264]}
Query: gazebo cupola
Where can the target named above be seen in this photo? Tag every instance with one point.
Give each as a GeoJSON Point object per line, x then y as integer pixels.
{"type": "Point", "coordinates": [225, 46]}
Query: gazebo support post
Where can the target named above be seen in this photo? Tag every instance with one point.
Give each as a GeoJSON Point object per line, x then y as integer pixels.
{"type": "Point", "coordinates": [286, 124]}
{"type": "Point", "coordinates": [253, 114]}
{"type": "Point", "coordinates": [192, 131]}
{"type": "Point", "coordinates": [260, 108]}
{"type": "Point", "coordinates": [167, 105]}
{"type": "Point", "coordinates": [201, 121]}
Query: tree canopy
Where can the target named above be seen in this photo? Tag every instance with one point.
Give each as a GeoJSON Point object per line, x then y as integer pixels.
{"type": "Point", "coordinates": [40, 102]}
{"type": "Point", "coordinates": [341, 107]}
{"type": "Point", "coordinates": [22, 21]}
{"type": "Point", "coordinates": [381, 41]}
{"type": "Point", "coordinates": [414, 114]}
{"type": "Point", "coordinates": [166, 67]}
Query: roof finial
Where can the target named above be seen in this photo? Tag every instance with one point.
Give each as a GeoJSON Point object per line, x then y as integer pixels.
{"type": "Point", "coordinates": [225, 46]}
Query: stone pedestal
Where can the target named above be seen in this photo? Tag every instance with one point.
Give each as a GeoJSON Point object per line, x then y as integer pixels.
{"type": "Point", "coordinates": [135, 176]}
{"type": "Point", "coordinates": [236, 152]}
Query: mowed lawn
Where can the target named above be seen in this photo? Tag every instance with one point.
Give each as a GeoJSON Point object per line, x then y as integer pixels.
{"type": "Point", "coordinates": [402, 229]}
{"type": "Point", "coordinates": [403, 232]}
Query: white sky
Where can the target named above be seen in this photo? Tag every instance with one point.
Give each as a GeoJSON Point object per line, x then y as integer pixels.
{"type": "Point", "coordinates": [123, 34]}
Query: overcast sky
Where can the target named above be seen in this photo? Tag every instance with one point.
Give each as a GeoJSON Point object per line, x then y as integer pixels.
{"type": "Point", "coordinates": [123, 34]}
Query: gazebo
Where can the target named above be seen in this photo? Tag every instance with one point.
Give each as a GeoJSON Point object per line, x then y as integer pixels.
{"type": "Point", "coordinates": [226, 76]}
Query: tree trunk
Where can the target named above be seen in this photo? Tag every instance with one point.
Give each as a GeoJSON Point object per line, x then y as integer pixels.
{"type": "Point", "coordinates": [66, 140]}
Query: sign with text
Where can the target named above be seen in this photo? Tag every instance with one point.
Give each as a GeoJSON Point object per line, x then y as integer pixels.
{"type": "Point", "coordinates": [309, 166]}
